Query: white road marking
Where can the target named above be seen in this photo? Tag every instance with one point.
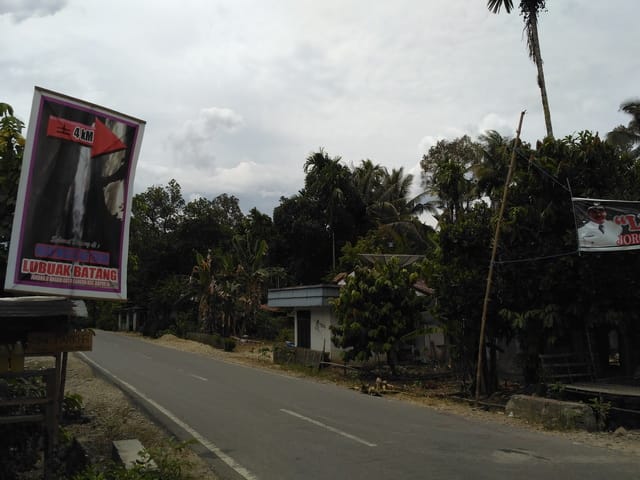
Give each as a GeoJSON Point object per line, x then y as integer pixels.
{"type": "Point", "coordinates": [327, 427]}
{"type": "Point", "coordinates": [144, 355]}
{"type": "Point", "coordinates": [243, 472]}
{"type": "Point", "coordinates": [199, 377]}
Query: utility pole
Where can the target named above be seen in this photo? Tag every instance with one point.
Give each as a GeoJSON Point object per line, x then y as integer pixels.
{"type": "Point", "coordinates": [496, 238]}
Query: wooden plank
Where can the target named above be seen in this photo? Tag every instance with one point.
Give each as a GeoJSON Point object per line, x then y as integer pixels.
{"type": "Point", "coordinates": [41, 306]}
{"type": "Point", "coordinates": [21, 418]}
{"type": "Point", "coordinates": [47, 342]}
{"type": "Point", "coordinates": [24, 401]}
{"type": "Point", "coordinates": [569, 375]}
{"type": "Point", "coordinates": [606, 388]}
{"type": "Point", "coordinates": [566, 365]}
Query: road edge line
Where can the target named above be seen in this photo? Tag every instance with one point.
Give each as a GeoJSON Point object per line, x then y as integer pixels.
{"type": "Point", "coordinates": [230, 462]}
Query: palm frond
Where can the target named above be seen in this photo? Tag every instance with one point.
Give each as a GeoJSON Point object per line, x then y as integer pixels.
{"type": "Point", "coordinates": [496, 5]}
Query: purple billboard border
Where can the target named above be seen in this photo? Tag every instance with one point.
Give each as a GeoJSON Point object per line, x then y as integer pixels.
{"type": "Point", "coordinates": [46, 96]}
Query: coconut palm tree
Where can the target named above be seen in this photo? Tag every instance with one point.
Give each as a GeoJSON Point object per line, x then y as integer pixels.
{"type": "Point", "coordinates": [327, 181]}
{"type": "Point", "coordinates": [491, 170]}
{"type": "Point", "coordinates": [628, 138]}
{"type": "Point", "coordinates": [396, 212]}
{"type": "Point", "coordinates": [530, 9]}
{"type": "Point", "coordinates": [367, 178]}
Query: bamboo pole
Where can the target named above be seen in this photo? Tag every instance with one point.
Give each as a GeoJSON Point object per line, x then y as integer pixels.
{"type": "Point", "coordinates": [496, 238]}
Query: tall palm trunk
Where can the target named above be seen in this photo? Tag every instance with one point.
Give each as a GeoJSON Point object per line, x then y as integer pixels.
{"type": "Point", "coordinates": [537, 58]}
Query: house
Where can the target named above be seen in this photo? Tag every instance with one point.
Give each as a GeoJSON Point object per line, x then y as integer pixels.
{"type": "Point", "coordinates": [130, 318]}
{"type": "Point", "coordinates": [313, 314]}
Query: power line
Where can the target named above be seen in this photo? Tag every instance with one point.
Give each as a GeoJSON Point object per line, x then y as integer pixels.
{"type": "Point", "coordinates": [543, 171]}
{"type": "Point", "coordinates": [535, 259]}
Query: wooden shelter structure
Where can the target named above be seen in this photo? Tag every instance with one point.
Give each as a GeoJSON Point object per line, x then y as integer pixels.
{"type": "Point", "coordinates": [39, 326]}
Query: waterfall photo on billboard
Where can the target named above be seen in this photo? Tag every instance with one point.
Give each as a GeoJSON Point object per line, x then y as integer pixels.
{"type": "Point", "coordinates": [71, 227]}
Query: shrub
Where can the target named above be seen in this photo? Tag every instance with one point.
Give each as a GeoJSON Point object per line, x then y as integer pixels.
{"type": "Point", "coordinates": [20, 443]}
{"type": "Point", "coordinates": [213, 340]}
{"type": "Point", "coordinates": [285, 335]}
{"type": "Point", "coordinates": [229, 344]}
{"type": "Point", "coordinates": [168, 466]}
{"type": "Point", "coordinates": [72, 406]}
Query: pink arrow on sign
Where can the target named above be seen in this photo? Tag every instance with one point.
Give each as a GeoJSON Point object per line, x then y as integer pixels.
{"type": "Point", "coordinates": [98, 136]}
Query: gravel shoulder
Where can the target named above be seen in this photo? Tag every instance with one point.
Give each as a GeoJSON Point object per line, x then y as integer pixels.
{"type": "Point", "coordinates": [113, 415]}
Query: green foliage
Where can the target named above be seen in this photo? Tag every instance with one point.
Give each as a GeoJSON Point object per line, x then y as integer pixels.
{"type": "Point", "coordinates": [103, 314]}
{"type": "Point", "coordinates": [627, 138]}
{"type": "Point", "coordinates": [446, 175]}
{"type": "Point", "coordinates": [11, 149]}
{"type": "Point", "coordinates": [376, 309]}
{"type": "Point", "coordinates": [185, 322]}
{"type": "Point", "coordinates": [541, 290]}
{"type": "Point", "coordinates": [72, 406]}
{"type": "Point", "coordinates": [20, 443]}
{"type": "Point", "coordinates": [461, 174]}
{"type": "Point", "coordinates": [285, 335]}
{"type": "Point", "coordinates": [553, 292]}
{"type": "Point", "coordinates": [162, 463]}
{"type": "Point", "coordinates": [555, 390]}
{"type": "Point", "coordinates": [457, 272]}
{"type": "Point", "coordinates": [229, 344]}
{"type": "Point", "coordinates": [601, 411]}
{"type": "Point", "coordinates": [271, 326]}
{"type": "Point", "coordinates": [298, 223]}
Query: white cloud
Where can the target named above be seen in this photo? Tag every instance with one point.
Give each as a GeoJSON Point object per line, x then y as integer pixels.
{"type": "Point", "coordinates": [493, 121]}
{"type": "Point", "coordinates": [375, 80]}
{"type": "Point", "coordinates": [20, 10]}
{"type": "Point", "coordinates": [195, 141]}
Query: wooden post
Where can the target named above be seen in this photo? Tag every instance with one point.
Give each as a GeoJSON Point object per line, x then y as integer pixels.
{"type": "Point", "coordinates": [63, 381]}
{"type": "Point", "coordinates": [496, 238]}
{"type": "Point", "coordinates": [51, 421]}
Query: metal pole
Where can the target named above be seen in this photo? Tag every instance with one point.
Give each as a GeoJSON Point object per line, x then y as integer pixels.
{"type": "Point", "coordinates": [496, 237]}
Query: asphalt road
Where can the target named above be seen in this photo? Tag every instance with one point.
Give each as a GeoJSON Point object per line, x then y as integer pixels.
{"type": "Point", "coordinates": [255, 424]}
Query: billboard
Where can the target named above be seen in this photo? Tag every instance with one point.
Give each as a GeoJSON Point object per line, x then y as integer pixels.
{"type": "Point", "coordinates": [607, 225]}
{"type": "Point", "coordinates": [71, 226]}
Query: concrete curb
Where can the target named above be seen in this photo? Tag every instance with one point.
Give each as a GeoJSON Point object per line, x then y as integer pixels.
{"type": "Point", "coordinates": [552, 414]}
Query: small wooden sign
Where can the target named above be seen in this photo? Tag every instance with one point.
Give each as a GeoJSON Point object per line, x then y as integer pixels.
{"type": "Point", "coordinates": [46, 342]}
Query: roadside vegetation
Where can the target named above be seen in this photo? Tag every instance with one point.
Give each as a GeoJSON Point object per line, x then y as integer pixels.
{"type": "Point", "coordinates": [203, 267]}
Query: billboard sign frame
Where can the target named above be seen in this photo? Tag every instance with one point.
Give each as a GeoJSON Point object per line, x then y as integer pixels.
{"type": "Point", "coordinates": [70, 233]}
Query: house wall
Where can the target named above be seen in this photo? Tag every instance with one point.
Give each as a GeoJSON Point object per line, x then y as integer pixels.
{"type": "Point", "coordinates": [431, 348]}
{"type": "Point", "coordinates": [128, 321]}
{"type": "Point", "coordinates": [321, 320]}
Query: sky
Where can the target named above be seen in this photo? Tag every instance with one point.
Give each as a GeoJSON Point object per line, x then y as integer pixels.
{"type": "Point", "coordinates": [236, 94]}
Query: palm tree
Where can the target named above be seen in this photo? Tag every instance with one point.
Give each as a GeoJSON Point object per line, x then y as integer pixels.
{"type": "Point", "coordinates": [628, 138]}
{"type": "Point", "coordinates": [491, 170]}
{"type": "Point", "coordinates": [530, 9]}
{"type": "Point", "coordinates": [327, 181]}
{"type": "Point", "coordinates": [251, 274]}
{"type": "Point", "coordinates": [367, 178]}
{"type": "Point", "coordinates": [447, 176]}
{"type": "Point", "coordinates": [204, 283]}
{"type": "Point", "coordinates": [396, 212]}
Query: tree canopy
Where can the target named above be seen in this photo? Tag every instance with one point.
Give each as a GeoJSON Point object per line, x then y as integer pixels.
{"type": "Point", "coordinates": [205, 264]}
{"type": "Point", "coordinates": [11, 149]}
{"type": "Point", "coordinates": [376, 310]}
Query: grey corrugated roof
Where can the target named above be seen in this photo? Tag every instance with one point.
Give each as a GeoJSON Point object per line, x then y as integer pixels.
{"type": "Point", "coordinates": [41, 306]}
